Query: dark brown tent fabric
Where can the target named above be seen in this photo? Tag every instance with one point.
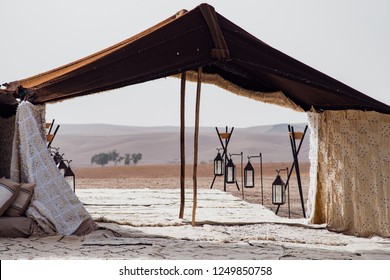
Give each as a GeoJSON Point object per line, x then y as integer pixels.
{"type": "Point", "coordinates": [199, 38]}
{"type": "Point", "coordinates": [8, 104]}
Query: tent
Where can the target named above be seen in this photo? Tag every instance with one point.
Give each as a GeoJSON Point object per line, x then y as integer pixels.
{"type": "Point", "coordinates": [202, 45]}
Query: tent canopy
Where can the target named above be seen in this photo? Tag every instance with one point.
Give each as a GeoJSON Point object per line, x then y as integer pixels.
{"type": "Point", "coordinates": [230, 57]}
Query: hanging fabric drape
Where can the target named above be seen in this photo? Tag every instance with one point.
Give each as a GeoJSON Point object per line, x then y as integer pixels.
{"type": "Point", "coordinates": [350, 172]}
{"type": "Point", "coordinates": [54, 206]}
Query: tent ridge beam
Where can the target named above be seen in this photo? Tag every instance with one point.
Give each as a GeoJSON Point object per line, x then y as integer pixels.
{"type": "Point", "coordinates": [221, 50]}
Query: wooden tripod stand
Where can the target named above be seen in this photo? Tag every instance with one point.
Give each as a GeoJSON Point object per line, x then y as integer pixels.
{"type": "Point", "coordinates": [295, 151]}
{"type": "Point", "coordinates": [224, 139]}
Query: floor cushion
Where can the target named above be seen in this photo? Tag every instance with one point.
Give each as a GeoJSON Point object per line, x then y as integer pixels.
{"type": "Point", "coordinates": [9, 190]}
{"type": "Point", "coordinates": [15, 226]}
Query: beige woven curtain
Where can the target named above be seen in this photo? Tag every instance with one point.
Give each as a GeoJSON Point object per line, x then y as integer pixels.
{"type": "Point", "coordinates": [350, 172]}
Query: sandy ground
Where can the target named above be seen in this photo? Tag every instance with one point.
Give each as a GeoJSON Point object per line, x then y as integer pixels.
{"type": "Point", "coordinates": [139, 220]}
{"type": "Point", "coordinates": [167, 177]}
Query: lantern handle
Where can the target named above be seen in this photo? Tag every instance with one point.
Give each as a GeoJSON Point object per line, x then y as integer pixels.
{"type": "Point", "coordinates": [282, 169]}
{"type": "Point", "coordinates": [68, 161]}
{"type": "Point", "coordinates": [259, 156]}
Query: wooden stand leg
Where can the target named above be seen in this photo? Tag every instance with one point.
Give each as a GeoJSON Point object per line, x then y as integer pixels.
{"type": "Point", "coordinates": [295, 152]}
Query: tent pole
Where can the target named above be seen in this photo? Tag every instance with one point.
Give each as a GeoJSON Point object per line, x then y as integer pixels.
{"type": "Point", "coordinates": [182, 144]}
{"type": "Point", "coordinates": [196, 137]}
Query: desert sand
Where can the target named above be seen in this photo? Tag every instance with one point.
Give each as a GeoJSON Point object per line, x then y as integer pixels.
{"type": "Point", "coordinates": [137, 210]}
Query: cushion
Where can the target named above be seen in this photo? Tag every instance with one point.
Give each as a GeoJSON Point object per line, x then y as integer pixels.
{"type": "Point", "coordinates": [8, 193]}
{"type": "Point", "coordinates": [20, 204]}
{"type": "Point", "coordinates": [16, 227]}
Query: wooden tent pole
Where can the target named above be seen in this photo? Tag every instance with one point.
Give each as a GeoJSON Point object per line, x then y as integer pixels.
{"type": "Point", "coordinates": [182, 144]}
{"type": "Point", "coordinates": [196, 137]}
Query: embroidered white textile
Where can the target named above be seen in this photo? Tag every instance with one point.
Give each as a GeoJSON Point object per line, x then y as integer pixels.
{"type": "Point", "coordinates": [54, 205]}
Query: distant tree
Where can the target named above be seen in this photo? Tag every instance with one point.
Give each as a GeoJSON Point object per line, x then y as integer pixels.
{"type": "Point", "coordinates": [136, 157]}
{"type": "Point", "coordinates": [127, 159]}
{"type": "Point", "coordinates": [100, 159]}
{"type": "Point", "coordinates": [115, 157]}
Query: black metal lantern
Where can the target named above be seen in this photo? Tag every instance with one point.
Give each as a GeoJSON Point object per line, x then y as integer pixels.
{"type": "Point", "coordinates": [62, 167]}
{"type": "Point", "coordinates": [230, 172]}
{"type": "Point", "coordinates": [278, 191]}
{"type": "Point", "coordinates": [218, 163]}
{"type": "Point", "coordinates": [70, 178]}
{"type": "Point", "coordinates": [249, 176]}
{"type": "Point", "coordinates": [57, 156]}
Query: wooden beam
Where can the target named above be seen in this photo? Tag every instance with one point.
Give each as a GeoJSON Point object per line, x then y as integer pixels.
{"type": "Point", "coordinates": [182, 144]}
{"type": "Point", "coordinates": [196, 138]}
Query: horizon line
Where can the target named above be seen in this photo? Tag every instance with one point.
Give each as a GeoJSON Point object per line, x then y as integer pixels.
{"type": "Point", "coordinates": [153, 126]}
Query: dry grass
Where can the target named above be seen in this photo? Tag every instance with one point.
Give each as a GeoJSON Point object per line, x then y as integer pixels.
{"type": "Point", "coordinates": [168, 176]}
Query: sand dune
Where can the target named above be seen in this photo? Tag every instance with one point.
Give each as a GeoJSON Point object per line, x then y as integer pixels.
{"type": "Point", "coordinates": [160, 145]}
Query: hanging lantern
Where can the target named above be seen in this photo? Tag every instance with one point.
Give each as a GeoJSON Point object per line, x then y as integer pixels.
{"type": "Point", "coordinates": [278, 191]}
{"type": "Point", "coordinates": [249, 176]}
{"type": "Point", "coordinates": [230, 172]}
{"type": "Point", "coordinates": [62, 167]}
{"type": "Point", "coordinates": [218, 170]}
{"type": "Point", "coordinates": [57, 157]}
{"type": "Point", "coordinates": [70, 178]}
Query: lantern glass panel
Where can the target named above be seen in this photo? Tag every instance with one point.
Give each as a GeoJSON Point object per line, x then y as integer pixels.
{"type": "Point", "coordinates": [249, 179]}
{"type": "Point", "coordinates": [218, 171]}
{"type": "Point", "coordinates": [230, 175]}
{"type": "Point", "coordinates": [278, 194]}
{"type": "Point", "coordinates": [218, 167]}
{"type": "Point", "coordinates": [70, 180]}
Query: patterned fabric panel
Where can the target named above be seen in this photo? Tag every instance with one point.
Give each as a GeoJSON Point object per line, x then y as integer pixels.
{"type": "Point", "coordinates": [350, 172]}
{"type": "Point", "coordinates": [54, 206]}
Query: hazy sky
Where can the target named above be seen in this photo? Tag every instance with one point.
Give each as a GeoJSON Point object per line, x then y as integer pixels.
{"type": "Point", "coordinates": [347, 40]}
